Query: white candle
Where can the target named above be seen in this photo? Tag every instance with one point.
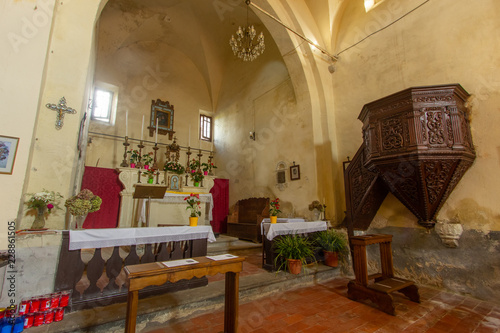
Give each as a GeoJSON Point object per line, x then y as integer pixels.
{"type": "Point", "coordinates": [189, 136]}
{"type": "Point", "coordinates": [126, 123]}
{"type": "Point", "coordinates": [142, 128]}
{"type": "Point", "coordinates": [156, 137]}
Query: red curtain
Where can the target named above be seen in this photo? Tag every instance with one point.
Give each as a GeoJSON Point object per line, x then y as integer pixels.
{"type": "Point", "coordinates": [104, 183]}
{"type": "Point", "coordinates": [220, 194]}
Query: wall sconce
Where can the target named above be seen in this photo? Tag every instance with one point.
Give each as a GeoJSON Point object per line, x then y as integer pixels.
{"type": "Point", "coordinates": [252, 136]}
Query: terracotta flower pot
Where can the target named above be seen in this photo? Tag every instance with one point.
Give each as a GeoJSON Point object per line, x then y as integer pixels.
{"type": "Point", "coordinates": [294, 266]}
{"type": "Point", "coordinates": [274, 219]}
{"type": "Point", "coordinates": [331, 258]}
{"type": "Point", "coordinates": [193, 221]}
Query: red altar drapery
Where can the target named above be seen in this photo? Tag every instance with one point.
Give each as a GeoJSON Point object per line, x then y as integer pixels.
{"type": "Point", "coordinates": [220, 194]}
{"type": "Point", "coordinates": [104, 183]}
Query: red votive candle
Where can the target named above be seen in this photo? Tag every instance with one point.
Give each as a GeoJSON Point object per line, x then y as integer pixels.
{"type": "Point", "coordinates": [39, 318]}
{"type": "Point", "coordinates": [2, 312]}
{"type": "Point", "coordinates": [28, 320]}
{"type": "Point", "coordinates": [24, 307]}
{"type": "Point", "coordinates": [64, 298]}
{"type": "Point", "coordinates": [58, 314]}
{"type": "Point", "coordinates": [34, 305]}
{"type": "Point", "coordinates": [45, 301]}
{"type": "Point", "coordinates": [49, 316]}
{"type": "Point", "coordinates": [54, 300]}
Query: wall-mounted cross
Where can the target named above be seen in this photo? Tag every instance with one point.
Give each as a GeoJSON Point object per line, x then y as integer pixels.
{"type": "Point", "coordinates": [61, 109]}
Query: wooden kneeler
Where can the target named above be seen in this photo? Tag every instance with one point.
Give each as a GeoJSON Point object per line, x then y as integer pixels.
{"type": "Point", "coordinates": [379, 291]}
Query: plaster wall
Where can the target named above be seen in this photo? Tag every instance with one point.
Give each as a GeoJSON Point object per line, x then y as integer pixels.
{"type": "Point", "coordinates": [429, 46]}
{"type": "Point", "coordinates": [25, 28]}
{"type": "Point", "coordinates": [54, 161]}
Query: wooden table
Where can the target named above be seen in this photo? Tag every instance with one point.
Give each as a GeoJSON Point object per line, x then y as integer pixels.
{"type": "Point", "coordinates": [144, 275]}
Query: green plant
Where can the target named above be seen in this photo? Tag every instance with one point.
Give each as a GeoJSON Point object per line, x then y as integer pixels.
{"type": "Point", "coordinates": [208, 166]}
{"type": "Point", "coordinates": [193, 201]}
{"type": "Point", "coordinates": [197, 176]}
{"type": "Point", "coordinates": [194, 165]}
{"type": "Point", "coordinates": [134, 156]}
{"type": "Point", "coordinates": [274, 207]}
{"type": "Point", "coordinates": [331, 240]}
{"type": "Point", "coordinates": [150, 173]}
{"type": "Point", "coordinates": [292, 247]}
{"type": "Point", "coordinates": [174, 167]}
{"type": "Point", "coordinates": [147, 158]}
{"type": "Point", "coordinates": [83, 203]}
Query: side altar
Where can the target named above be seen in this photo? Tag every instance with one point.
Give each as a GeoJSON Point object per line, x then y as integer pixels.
{"type": "Point", "coordinates": [171, 210]}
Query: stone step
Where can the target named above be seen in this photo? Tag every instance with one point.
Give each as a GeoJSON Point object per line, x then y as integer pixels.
{"type": "Point", "coordinates": [226, 244]}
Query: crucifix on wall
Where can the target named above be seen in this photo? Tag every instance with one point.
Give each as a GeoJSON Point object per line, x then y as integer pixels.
{"type": "Point", "coordinates": [61, 109]}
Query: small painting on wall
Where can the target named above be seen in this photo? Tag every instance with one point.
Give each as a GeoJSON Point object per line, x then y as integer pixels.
{"type": "Point", "coordinates": [294, 172]}
{"type": "Point", "coordinates": [8, 150]}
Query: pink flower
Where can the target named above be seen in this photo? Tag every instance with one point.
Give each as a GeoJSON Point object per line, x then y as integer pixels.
{"type": "Point", "coordinates": [50, 206]}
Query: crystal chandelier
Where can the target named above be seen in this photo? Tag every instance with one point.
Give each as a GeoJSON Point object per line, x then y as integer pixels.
{"type": "Point", "coordinates": [243, 45]}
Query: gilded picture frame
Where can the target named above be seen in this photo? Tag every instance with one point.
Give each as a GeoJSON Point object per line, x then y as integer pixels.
{"type": "Point", "coordinates": [8, 152]}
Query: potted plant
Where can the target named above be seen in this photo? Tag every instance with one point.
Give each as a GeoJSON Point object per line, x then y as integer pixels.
{"type": "Point", "coordinates": [81, 204]}
{"type": "Point", "coordinates": [274, 209]}
{"type": "Point", "coordinates": [197, 177]}
{"type": "Point", "coordinates": [334, 246]}
{"type": "Point", "coordinates": [150, 173]}
{"type": "Point", "coordinates": [194, 165]}
{"type": "Point", "coordinates": [292, 250]}
{"type": "Point", "coordinates": [193, 201]}
{"type": "Point", "coordinates": [174, 167]}
{"type": "Point", "coordinates": [134, 157]}
{"type": "Point", "coordinates": [147, 159]}
{"type": "Point", "coordinates": [42, 203]}
{"type": "Point", "coordinates": [207, 168]}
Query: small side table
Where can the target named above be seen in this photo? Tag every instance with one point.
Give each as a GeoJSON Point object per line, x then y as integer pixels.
{"type": "Point", "coordinates": [379, 291]}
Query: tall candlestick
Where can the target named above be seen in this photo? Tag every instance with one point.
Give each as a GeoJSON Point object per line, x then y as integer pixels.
{"type": "Point", "coordinates": [126, 123]}
{"type": "Point", "coordinates": [156, 137]}
{"type": "Point", "coordinates": [142, 128]}
{"type": "Point", "coordinates": [189, 136]}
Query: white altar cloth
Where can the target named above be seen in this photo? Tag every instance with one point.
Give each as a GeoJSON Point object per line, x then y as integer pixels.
{"type": "Point", "coordinates": [99, 238]}
{"type": "Point", "coordinates": [276, 229]}
{"type": "Point", "coordinates": [177, 199]}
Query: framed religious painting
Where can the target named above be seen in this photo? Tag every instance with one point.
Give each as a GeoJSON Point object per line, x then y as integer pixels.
{"type": "Point", "coordinates": [294, 172]}
{"type": "Point", "coordinates": [162, 113]}
{"type": "Point", "coordinates": [8, 151]}
{"type": "Point", "coordinates": [174, 183]}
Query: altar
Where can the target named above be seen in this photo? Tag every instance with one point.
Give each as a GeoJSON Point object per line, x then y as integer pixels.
{"type": "Point", "coordinates": [170, 210]}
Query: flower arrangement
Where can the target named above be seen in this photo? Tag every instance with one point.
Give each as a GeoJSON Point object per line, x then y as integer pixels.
{"type": "Point", "coordinates": [150, 173]}
{"type": "Point", "coordinates": [193, 201]}
{"type": "Point", "coordinates": [274, 207]}
{"type": "Point", "coordinates": [45, 199]}
{"type": "Point", "coordinates": [174, 167]}
{"type": "Point", "coordinates": [83, 203]}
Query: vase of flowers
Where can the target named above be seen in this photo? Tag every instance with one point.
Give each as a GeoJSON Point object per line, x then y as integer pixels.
{"type": "Point", "coordinates": [81, 204]}
{"type": "Point", "coordinates": [207, 168]}
{"type": "Point", "coordinates": [193, 201]}
{"type": "Point", "coordinates": [41, 204]}
{"type": "Point", "coordinates": [197, 177]}
{"type": "Point", "coordinates": [150, 173]}
{"type": "Point", "coordinates": [174, 167]}
{"type": "Point", "coordinates": [274, 210]}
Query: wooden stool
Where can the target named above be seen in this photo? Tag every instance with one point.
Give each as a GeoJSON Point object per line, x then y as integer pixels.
{"type": "Point", "coordinates": [384, 283]}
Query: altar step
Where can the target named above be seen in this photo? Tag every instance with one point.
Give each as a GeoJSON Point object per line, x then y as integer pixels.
{"type": "Point", "coordinates": [226, 244]}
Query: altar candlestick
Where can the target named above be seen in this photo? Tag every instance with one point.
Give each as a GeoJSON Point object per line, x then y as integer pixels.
{"type": "Point", "coordinates": [189, 136]}
{"type": "Point", "coordinates": [126, 123]}
{"type": "Point", "coordinates": [142, 128]}
{"type": "Point", "coordinates": [156, 137]}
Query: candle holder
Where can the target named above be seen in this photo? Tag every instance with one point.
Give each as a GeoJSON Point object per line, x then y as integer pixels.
{"type": "Point", "coordinates": [124, 163]}
{"type": "Point", "coordinates": [155, 164]}
{"type": "Point", "coordinates": [188, 153]}
{"type": "Point", "coordinates": [210, 158]}
{"type": "Point", "coordinates": [139, 163]}
{"type": "Point", "coordinates": [199, 160]}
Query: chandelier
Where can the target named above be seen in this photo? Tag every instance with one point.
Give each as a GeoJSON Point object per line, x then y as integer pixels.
{"type": "Point", "coordinates": [243, 45]}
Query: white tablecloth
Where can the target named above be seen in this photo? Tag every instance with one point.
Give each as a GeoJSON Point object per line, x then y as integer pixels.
{"type": "Point", "coordinates": [276, 229]}
{"type": "Point", "coordinates": [280, 220]}
{"type": "Point", "coordinates": [99, 238]}
{"type": "Point", "coordinates": [177, 199]}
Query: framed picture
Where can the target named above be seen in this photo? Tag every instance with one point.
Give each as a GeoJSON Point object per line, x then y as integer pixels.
{"type": "Point", "coordinates": [164, 112]}
{"type": "Point", "coordinates": [174, 183]}
{"type": "Point", "coordinates": [294, 172]}
{"type": "Point", "coordinates": [8, 150]}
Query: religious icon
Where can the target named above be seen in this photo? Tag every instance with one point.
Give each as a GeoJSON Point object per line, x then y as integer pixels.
{"type": "Point", "coordinates": [174, 183]}
{"type": "Point", "coordinates": [294, 172]}
{"type": "Point", "coordinates": [8, 150]}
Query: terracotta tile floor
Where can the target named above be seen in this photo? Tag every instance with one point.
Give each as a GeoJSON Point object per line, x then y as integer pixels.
{"type": "Point", "coordinates": [326, 308]}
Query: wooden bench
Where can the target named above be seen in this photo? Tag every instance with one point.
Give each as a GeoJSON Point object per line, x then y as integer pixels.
{"type": "Point", "coordinates": [144, 275]}
{"type": "Point", "coordinates": [246, 218]}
